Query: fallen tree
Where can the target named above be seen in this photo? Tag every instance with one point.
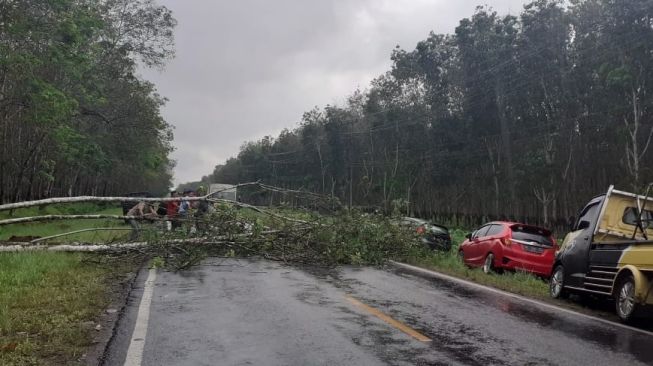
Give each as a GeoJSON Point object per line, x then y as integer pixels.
{"type": "Point", "coordinates": [62, 200]}
{"type": "Point", "coordinates": [24, 220]}
{"type": "Point", "coordinates": [75, 248]}
{"type": "Point", "coordinates": [240, 229]}
{"type": "Point", "coordinates": [347, 237]}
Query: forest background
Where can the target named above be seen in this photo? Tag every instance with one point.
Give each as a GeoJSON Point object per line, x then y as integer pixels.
{"type": "Point", "coordinates": [518, 117]}
{"type": "Point", "coordinates": [511, 117]}
{"type": "Point", "coordinates": [75, 119]}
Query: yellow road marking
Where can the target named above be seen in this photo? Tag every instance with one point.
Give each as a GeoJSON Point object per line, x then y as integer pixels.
{"type": "Point", "coordinates": [395, 323]}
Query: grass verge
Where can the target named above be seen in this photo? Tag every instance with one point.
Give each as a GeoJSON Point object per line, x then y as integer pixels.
{"type": "Point", "coordinates": [520, 283]}
{"type": "Point", "coordinates": [516, 282]}
{"type": "Point", "coordinates": [43, 229]}
{"type": "Point", "coordinates": [50, 304]}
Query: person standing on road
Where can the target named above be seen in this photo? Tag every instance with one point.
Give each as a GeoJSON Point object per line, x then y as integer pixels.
{"type": "Point", "coordinates": [141, 210]}
{"type": "Point", "coordinates": [172, 208]}
{"type": "Point", "coordinates": [202, 210]}
{"type": "Point", "coordinates": [184, 210]}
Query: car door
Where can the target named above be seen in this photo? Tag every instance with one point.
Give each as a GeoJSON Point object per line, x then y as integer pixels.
{"type": "Point", "coordinates": [575, 254]}
{"type": "Point", "coordinates": [490, 242]}
{"type": "Point", "coordinates": [475, 254]}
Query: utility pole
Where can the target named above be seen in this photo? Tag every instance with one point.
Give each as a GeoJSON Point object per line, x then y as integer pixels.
{"type": "Point", "coordinates": [351, 165]}
{"type": "Point", "coordinates": [351, 179]}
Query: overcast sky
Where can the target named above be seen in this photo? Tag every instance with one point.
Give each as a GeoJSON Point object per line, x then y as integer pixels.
{"type": "Point", "coordinates": [249, 68]}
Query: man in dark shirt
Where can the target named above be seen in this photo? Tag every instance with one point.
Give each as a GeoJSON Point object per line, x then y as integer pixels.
{"type": "Point", "coordinates": [202, 210]}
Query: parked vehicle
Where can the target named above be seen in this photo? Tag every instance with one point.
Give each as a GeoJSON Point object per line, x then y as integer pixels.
{"type": "Point", "coordinates": [609, 252]}
{"type": "Point", "coordinates": [435, 236]}
{"type": "Point", "coordinates": [508, 245]}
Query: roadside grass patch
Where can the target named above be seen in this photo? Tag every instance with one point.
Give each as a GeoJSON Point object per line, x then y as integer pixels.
{"type": "Point", "coordinates": [517, 282]}
{"type": "Point", "coordinates": [49, 305]}
{"type": "Point", "coordinates": [78, 208]}
{"type": "Point", "coordinates": [449, 263]}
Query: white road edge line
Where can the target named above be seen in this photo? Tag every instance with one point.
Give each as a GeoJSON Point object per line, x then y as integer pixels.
{"type": "Point", "coordinates": [514, 296]}
{"type": "Point", "coordinates": [137, 344]}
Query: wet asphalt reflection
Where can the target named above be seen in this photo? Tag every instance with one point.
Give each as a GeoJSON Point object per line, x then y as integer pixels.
{"type": "Point", "coordinates": [243, 312]}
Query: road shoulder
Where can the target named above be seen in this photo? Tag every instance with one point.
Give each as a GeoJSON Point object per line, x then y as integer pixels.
{"type": "Point", "coordinates": [554, 305]}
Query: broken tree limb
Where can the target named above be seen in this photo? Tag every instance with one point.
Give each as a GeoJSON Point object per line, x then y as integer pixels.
{"type": "Point", "coordinates": [59, 200]}
{"type": "Point", "coordinates": [293, 191]}
{"type": "Point", "coordinates": [274, 189]}
{"type": "Point", "coordinates": [200, 240]}
{"type": "Point", "coordinates": [74, 248]}
{"type": "Point", "coordinates": [79, 231]}
{"type": "Point", "coordinates": [22, 220]}
{"type": "Point", "coordinates": [266, 212]}
{"type": "Point", "coordinates": [88, 247]}
{"type": "Point", "coordinates": [240, 185]}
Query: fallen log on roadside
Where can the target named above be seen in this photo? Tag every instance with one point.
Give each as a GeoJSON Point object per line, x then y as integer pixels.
{"type": "Point", "coordinates": [78, 232]}
{"type": "Point", "coordinates": [74, 248]}
{"type": "Point", "coordinates": [22, 220]}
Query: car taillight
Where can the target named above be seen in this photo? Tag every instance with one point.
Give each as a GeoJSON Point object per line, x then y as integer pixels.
{"type": "Point", "coordinates": [506, 241]}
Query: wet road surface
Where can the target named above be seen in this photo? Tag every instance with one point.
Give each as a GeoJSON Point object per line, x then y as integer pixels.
{"type": "Point", "coordinates": [242, 312]}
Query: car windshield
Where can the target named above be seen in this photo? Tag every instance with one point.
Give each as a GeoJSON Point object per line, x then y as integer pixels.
{"type": "Point", "coordinates": [438, 229]}
{"type": "Point", "coordinates": [529, 233]}
{"type": "Point", "coordinates": [412, 221]}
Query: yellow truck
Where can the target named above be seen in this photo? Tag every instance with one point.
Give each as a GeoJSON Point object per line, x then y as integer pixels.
{"type": "Point", "coordinates": [609, 252]}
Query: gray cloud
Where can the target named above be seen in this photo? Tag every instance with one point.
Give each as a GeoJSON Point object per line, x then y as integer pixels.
{"type": "Point", "coordinates": [246, 69]}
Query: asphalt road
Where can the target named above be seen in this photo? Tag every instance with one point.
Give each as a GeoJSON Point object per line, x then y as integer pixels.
{"type": "Point", "coordinates": [241, 312]}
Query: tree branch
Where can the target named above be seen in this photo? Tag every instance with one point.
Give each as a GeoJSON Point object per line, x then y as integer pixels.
{"type": "Point", "coordinates": [22, 220]}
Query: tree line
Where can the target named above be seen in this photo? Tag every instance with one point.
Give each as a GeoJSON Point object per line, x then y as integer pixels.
{"type": "Point", "coordinates": [516, 117]}
{"type": "Point", "coordinates": [75, 119]}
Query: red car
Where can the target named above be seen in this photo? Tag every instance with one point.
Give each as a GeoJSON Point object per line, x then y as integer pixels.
{"type": "Point", "coordinates": [509, 245]}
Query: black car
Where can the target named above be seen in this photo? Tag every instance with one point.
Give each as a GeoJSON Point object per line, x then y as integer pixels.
{"type": "Point", "coordinates": [436, 236]}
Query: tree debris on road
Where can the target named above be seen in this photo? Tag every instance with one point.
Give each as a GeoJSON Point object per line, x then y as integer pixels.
{"type": "Point", "coordinates": [239, 229]}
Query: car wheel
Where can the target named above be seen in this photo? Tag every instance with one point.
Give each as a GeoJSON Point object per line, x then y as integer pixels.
{"type": "Point", "coordinates": [488, 266]}
{"type": "Point", "coordinates": [625, 298]}
{"type": "Point", "coordinates": [557, 283]}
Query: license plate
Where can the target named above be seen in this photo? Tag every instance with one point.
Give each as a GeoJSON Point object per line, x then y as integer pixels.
{"type": "Point", "coordinates": [532, 249]}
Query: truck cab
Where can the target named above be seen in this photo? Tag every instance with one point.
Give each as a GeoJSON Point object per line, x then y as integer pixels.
{"type": "Point", "coordinates": [609, 252]}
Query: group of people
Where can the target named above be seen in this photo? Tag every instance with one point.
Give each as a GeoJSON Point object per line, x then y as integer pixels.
{"type": "Point", "coordinates": [179, 213]}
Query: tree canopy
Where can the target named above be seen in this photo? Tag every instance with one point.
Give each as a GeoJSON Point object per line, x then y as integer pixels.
{"type": "Point", "coordinates": [74, 117]}
{"type": "Point", "coordinates": [521, 117]}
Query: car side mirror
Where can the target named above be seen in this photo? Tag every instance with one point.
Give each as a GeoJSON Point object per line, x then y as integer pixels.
{"type": "Point", "coordinates": [468, 236]}
{"type": "Point", "coordinates": [583, 225]}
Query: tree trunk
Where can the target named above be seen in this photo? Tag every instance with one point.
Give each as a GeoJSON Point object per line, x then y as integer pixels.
{"type": "Point", "coordinates": [506, 145]}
